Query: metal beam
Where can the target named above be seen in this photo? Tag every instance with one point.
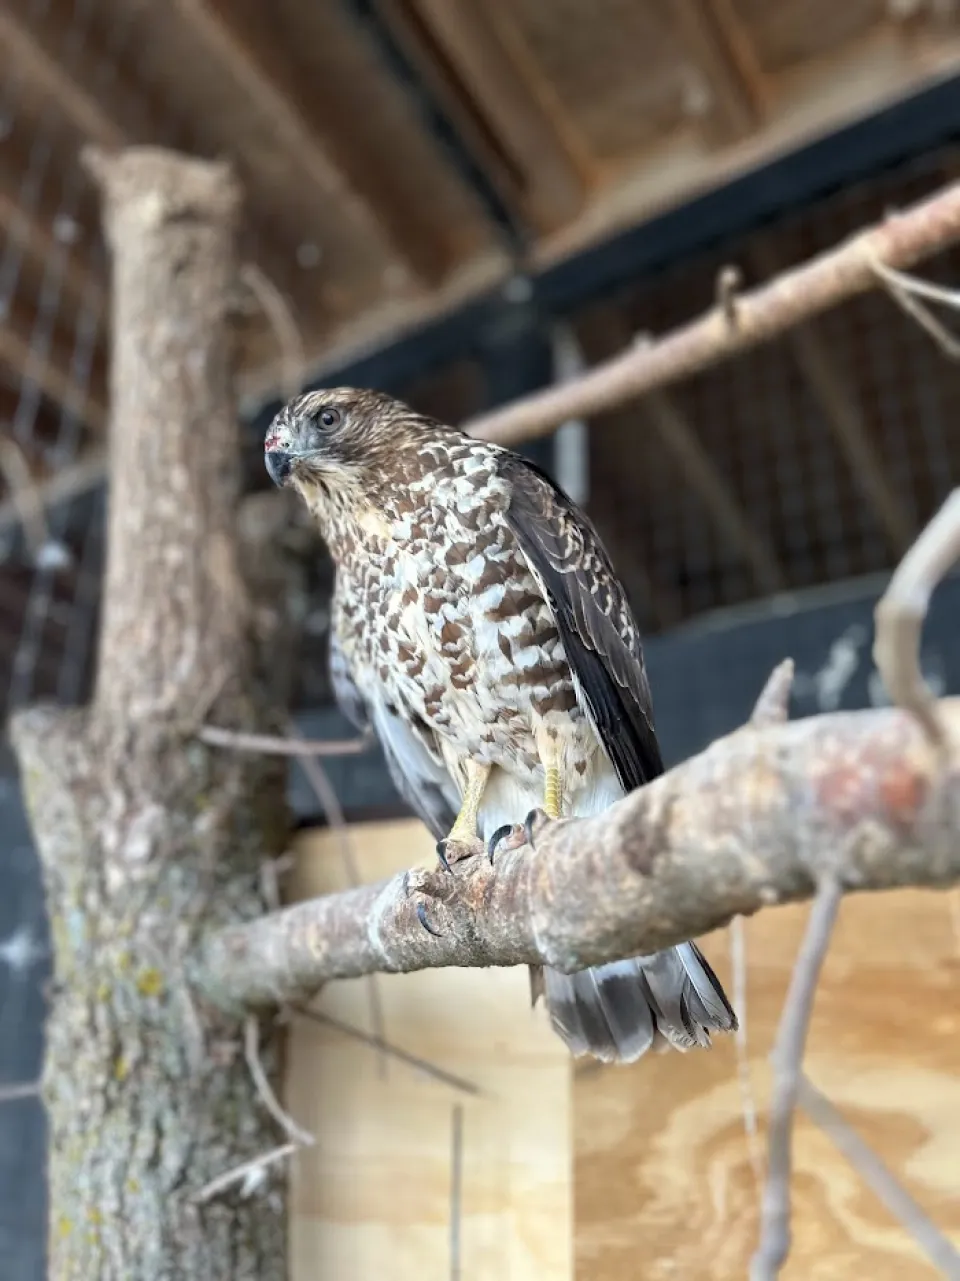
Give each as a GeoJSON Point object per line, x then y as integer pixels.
{"type": "Point", "coordinates": [399, 41]}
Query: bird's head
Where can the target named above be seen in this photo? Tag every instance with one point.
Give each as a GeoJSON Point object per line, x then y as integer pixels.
{"type": "Point", "coordinates": [336, 442]}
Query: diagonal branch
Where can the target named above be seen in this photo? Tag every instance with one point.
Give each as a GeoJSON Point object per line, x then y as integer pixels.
{"type": "Point", "coordinates": [761, 817]}
{"type": "Point", "coordinates": [851, 268]}
{"type": "Point", "coordinates": [936, 1246]}
{"type": "Point", "coordinates": [774, 1244]}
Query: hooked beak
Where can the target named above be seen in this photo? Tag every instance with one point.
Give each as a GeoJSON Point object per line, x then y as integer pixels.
{"type": "Point", "coordinates": [279, 464]}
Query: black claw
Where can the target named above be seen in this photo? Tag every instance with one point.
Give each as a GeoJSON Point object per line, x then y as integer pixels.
{"type": "Point", "coordinates": [528, 823]}
{"type": "Point", "coordinates": [442, 856]}
{"type": "Point", "coordinates": [422, 917]}
{"type": "Point", "coordinates": [496, 838]}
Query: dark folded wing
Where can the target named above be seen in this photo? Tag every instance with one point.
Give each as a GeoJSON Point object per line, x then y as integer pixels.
{"type": "Point", "coordinates": [420, 778]}
{"type": "Point", "coordinates": [600, 636]}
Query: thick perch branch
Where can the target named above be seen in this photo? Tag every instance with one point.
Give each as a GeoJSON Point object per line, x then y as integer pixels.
{"type": "Point", "coordinates": [760, 817]}
{"type": "Point", "coordinates": [755, 317]}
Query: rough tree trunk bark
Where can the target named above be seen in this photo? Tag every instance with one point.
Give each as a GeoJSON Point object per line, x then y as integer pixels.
{"type": "Point", "coordinates": [147, 837]}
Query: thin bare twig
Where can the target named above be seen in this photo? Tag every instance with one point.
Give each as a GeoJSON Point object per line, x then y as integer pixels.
{"type": "Point", "coordinates": [773, 703]}
{"type": "Point", "coordinates": [270, 872]}
{"type": "Point", "coordinates": [729, 281]}
{"type": "Point", "coordinates": [456, 1190]}
{"type": "Point", "coordinates": [774, 1243]}
{"type": "Point", "coordinates": [275, 307]}
{"type": "Point", "coordinates": [276, 745]}
{"type": "Point", "coordinates": [20, 1090]}
{"type": "Point", "coordinates": [738, 968]}
{"type": "Point", "coordinates": [761, 314]}
{"type": "Point", "coordinates": [901, 611]}
{"type": "Point", "coordinates": [907, 290]}
{"type": "Point", "coordinates": [771, 708]}
{"type": "Point", "coordinates": [251, 1048]}
{"type": "Point", "coordinates": [878, 1178]}
{"type": "Point", "coordinates": [25, 495]}
{"type": "Point", "coordinates": [394, 1051]}
{"type": "Point", "coordinates": [248, 1172]}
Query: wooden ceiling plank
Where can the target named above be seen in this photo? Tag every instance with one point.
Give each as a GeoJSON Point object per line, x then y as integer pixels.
{"type": "Point", "coordinates": [27, 52]}
{"type": "Point", "coordinates": [554, 184]}
{"type": "Point", "coordinates": [242, 39]}
{"type": "Point", "coordinates": [829, 390]}
{"type": "Point", "coordinates": [719, 47]}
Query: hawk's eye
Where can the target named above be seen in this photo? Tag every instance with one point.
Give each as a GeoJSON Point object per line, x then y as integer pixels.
{"type": "Point", "coordinates": [329, 417]}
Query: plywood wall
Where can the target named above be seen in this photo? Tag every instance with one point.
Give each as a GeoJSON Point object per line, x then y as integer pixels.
{"type": "Point", "coordinates": [664, 1183]}
{"type": "Point", "coordinates": [620, 1174]}
{"type": "Point", "coordinates": [377, 1197]}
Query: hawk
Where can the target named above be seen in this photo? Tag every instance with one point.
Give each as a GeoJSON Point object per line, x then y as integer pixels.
{"type": "Point", "coordinates": [480, 629]}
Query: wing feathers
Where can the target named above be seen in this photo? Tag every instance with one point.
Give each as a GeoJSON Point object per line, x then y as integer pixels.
{"type": "Point", "coordinates": [600, 636]}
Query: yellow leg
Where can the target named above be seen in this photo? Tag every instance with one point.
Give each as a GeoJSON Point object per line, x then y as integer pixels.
{"type": "Point", "coordinates": [552, 778]}
{"type": "Point", "coordinates": [552, 791]}
{"type": "Point", "coordinates": [465, 828]}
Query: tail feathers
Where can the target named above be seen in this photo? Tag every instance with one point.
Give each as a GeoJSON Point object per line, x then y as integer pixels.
{"type": "Point", "coordinates": [617, 1012]}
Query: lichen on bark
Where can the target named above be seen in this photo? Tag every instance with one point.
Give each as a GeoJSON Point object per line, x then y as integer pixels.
{"type": "Point", "coordinates": [148, 838]}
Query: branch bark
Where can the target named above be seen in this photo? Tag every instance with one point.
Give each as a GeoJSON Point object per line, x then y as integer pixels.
{"type": "Point", "coordinates": [851, 268]}
{"type": "Point", "coordinates": [148, 837]}
{"type": "Point", "coordinates": [762, 816]}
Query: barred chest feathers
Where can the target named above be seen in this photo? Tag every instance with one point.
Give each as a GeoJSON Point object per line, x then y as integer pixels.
{"type": "Point", "coordinates": [436, 609]}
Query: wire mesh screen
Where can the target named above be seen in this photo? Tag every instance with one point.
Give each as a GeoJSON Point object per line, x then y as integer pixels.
{"type": "Point", "coordinates": [774, 425]}
{"type": "Point", "coordinates": [732, 486]}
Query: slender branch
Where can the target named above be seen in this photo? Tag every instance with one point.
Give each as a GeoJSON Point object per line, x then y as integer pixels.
{"type": "Point", "coordinates": [773, 704]}
{"type": "Point", "coordinates": [275, 745]}
{"type": "Point", "coordinates": [251, 1049]}
{"type": "Point", "coordinates": [787, 1059]}
{"type": "Point", "coordinates": [391, 1051]}
{"type": "Point", "coordinates": [902, 608]}
{"type": "Point", "coordinates": [757, 316]}
{"type": "Point", "coordinates": [771, 708]}
{"type": "Point", "coordinates": [760, 817]}
{"type": "Point", "coordinates": [907, 291]}
{"type": "Point", "coordinates": [938, 1249]}
{"type": "Point", "coordinates": [20, 1090]}
{"type": "Point", "coordinates": [249, 1173]}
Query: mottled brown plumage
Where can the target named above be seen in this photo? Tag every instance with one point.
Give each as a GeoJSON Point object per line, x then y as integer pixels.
{"type": "Point", "coordinates": [481, 630]}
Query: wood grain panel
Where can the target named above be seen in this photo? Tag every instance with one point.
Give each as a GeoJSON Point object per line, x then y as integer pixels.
{"type": "Point", "coordinates": [664, 1182]}
{"type": "Point", "coordinates": [374, 1197]}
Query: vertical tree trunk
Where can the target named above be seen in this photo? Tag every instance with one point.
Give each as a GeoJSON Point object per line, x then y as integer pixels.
{"type": "Point", "coordinates": [148, 838]}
